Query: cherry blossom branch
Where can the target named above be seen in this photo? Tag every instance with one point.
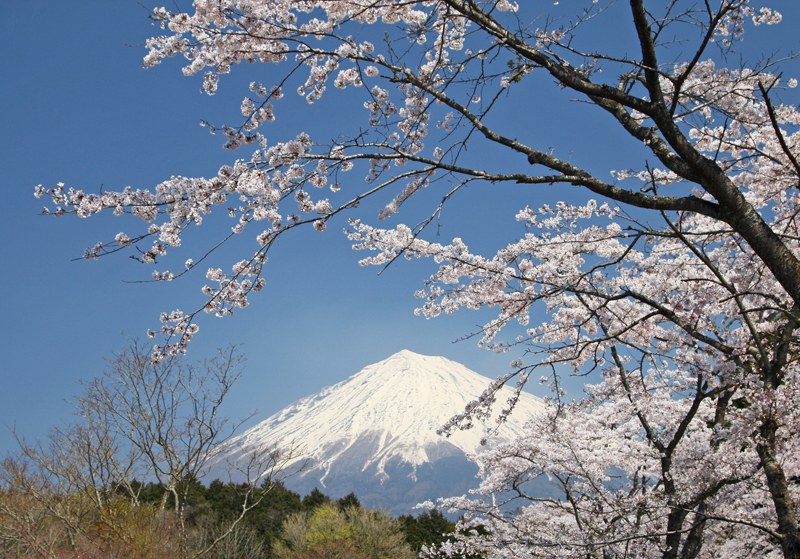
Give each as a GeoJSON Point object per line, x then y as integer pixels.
{"type": "Point", "coordinates": [778, 133]}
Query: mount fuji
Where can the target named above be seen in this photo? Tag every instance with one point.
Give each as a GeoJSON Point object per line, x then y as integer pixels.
{"type": "Point", "coordinates": [374, 434]}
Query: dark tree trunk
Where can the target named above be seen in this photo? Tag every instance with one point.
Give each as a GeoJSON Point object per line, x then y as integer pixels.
{"type": "Point", "coordinates": [779, 489]}
{"type": "Point", "coordinates": [694, 541]}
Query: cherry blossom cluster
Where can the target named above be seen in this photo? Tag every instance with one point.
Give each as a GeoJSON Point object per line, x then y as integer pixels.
{"type": "Point", "coordinates": [731, 27]}
{"type": "Point", "coordinates": [640, 445]}
{"type": "Point", "coordinates": [177, 326]}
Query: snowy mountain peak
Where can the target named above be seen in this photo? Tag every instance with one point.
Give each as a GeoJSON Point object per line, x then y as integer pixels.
{"type": "Point", "coordinates": [387, 413]}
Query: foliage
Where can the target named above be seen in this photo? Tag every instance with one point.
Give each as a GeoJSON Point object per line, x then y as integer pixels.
{"type": "Point", "coordinates": [427, 529]}
{"type": "Point", "coordinates": [679, 288]}
{"type": "Point", "coordinates": [315, 499]}
{"type": "Point", "coordinates": [329, 532]}
{"type": "Point", "coordinates": [38, 524]}
{"type": "Point", "coordinates": [349, 501]}
{"type": "Point", "coordinates": [34, 522]}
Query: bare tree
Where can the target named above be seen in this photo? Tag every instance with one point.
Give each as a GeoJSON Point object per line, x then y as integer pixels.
{"type": "Point", "coordinates": [140, 420]}
{"type": "Point", "coordinates": [26, 525]}
{"type": "Point", "coordinates": [168, 412]}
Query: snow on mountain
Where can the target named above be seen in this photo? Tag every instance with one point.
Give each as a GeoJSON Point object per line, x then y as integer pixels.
{"type": "Point", "coordinates": [380, 425]}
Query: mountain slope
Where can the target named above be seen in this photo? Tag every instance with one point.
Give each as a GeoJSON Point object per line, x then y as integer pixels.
{"type": "Point", "coordinates": [376, 431]}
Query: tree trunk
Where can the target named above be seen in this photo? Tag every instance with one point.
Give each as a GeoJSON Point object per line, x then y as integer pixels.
{"type": "Point", "coordinates": [694, 541]}
{"type": "Point", "coordinates": [779, 489]}
{"type": "Point", "coordinates": [674, 526]}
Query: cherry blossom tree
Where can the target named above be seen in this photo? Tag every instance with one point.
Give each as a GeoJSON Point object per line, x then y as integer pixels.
{"type": "Point", "coordinates": [678, 282]}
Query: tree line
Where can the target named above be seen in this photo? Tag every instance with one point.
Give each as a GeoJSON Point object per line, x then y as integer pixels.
{"type": "Point", "coordinates": [283, 525]}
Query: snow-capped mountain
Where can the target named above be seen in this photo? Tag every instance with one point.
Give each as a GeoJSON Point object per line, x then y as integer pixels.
{"type": "Point", "coordinates": [375, 433]}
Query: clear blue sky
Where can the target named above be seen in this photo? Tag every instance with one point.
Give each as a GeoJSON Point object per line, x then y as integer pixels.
{"type": "Point", "coordinates": [78, 108]}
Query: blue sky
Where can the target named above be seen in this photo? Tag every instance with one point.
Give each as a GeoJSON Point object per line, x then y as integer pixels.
{"type": "Point", "coordinates": [78, 108]}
